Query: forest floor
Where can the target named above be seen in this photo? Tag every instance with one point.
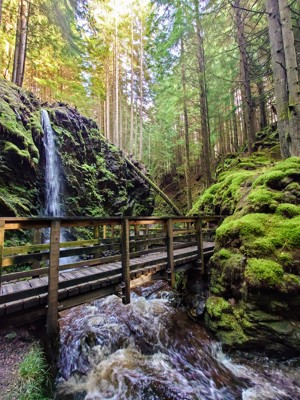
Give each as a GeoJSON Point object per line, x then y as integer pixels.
{"type": "Point", "coordinates": [15, 343]}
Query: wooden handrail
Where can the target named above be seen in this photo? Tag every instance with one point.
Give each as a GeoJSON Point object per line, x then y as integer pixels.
{"type": "Point", "coordinates": [127, 237]}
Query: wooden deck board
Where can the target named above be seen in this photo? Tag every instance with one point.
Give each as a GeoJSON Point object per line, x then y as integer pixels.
{"type": "Point", "coordinates": [31, 294]}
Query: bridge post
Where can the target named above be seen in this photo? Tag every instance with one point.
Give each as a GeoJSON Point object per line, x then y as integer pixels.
{"type": "Point", "coordinates": [126, 260]}
{"type": "Point", "coordinates": [170, 250]}
{"type": "Point", "coordinates": [199, 235]}
{"type": "Point", "coordinates": [2, 225]}
{"type": "Point", "coordinates": [52, 313]}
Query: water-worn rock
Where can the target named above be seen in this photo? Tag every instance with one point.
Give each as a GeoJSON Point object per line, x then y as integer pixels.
{"type": "Point", "coordinates": [97, 179]}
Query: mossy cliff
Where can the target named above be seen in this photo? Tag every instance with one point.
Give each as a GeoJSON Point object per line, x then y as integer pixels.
{"type": "Point", "coordinates": [97, 179]}
{"type": "Point", "coordinates": [254, 298]}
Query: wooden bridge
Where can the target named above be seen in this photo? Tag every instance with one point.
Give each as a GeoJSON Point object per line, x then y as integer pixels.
{"type": "Point", "coordinates": [40, 279]}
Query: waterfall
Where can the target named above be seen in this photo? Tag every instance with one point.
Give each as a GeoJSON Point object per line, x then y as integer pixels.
{"type": "Point", "coordinates": [53, 183]}
{"type": "Point", "coordinates": [53, 170]}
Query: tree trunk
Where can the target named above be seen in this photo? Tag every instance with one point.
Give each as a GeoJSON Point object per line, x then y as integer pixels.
{"type": "Point", "coordinates": [131, 91]}
{"type": "Point", "coordinates": [248, 104]}
{"type": "Point", "coordinates": [279, 73]}
{"type": "Point", "coordinates": [186, 130]}
{"type": "Point", "coordinates": [292, 77]}
{"type": "Point", "coordinates": [21, 43]}
{"type": "Point", "coordinates": [116, 105]}
{"type": "Point", "coordinates": [141, 89]}
{"type": "Point", "coordinates": [107, 104]}
{"type": "Point", "coordinates": [263, 121]}
{"type": "Point", "coordinates": [154, 186]}
{"type": "Point", "coordinates": [1, 7]}
{"type": "Point", "coordinates": [206, 152]}
{"type": "Point", "coordinates": [235, 139]}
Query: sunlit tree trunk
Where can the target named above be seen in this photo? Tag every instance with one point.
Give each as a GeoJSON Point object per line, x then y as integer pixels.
{"type": "Point", "coordinates": [141, 88]}
{"type": "Point", "coordinates": [131, 91]}
{"type": "Point", "coordinates": [1, 7]}
{"type": "Point", "coordinates": [116, 105]}
{"type": "Point", "coordinates": [107, 104]}
{"type": "Point", "coordinates": [21, 43]}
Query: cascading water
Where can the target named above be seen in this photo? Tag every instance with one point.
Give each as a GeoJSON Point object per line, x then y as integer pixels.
{"type": "Point", "coordinates": [53, 170]}
{"type": "Point", "coordinates": [53, 181]}
{"type": "Point", "coordinates": [150, 350]}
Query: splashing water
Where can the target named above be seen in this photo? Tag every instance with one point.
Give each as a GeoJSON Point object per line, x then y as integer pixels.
{"type": "Point", "coordinates": [148, 350]}
{"type": "Point", "coordinates": [53, 170]}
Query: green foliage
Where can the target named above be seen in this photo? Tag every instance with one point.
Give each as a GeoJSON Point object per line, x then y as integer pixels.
{"type": "Point", "coordinates": [33, 380]}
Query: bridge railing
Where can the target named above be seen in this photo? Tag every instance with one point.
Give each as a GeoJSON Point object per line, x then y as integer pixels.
{"type": "Point", "coordinates": [101, 241]}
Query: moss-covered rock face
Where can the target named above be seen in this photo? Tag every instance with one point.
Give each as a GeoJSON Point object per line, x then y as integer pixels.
{"type": "Point", "coordinates": [255, 271]}
{"type": "Point", "coordinates": [97, 179]}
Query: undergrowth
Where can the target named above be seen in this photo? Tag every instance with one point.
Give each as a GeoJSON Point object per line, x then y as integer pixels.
{"type": "Point", "coordinates": [33, 380]}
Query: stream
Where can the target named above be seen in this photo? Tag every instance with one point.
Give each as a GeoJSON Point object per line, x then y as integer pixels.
{"type": "Point", "coordinates": [150, 350]}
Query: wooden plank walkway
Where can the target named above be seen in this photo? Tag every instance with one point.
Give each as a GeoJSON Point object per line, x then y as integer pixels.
{"type": "Point", "coordinates": [113, 255]}
{"type": "Point", "coordinates": [87, 283]}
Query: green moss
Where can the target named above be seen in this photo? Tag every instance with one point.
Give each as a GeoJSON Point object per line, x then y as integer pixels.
{"type": "Point", "coordinates": [252, 225]}
{"type": "Point", "coordinates": [10, 147]}
{"type": "Point", "coordinates": [217, 306]}
{"type": "Point", "coordinates": [221, 319]}
{"type": "Point", "coordinates": [288, 210]}
{"type": "Point", "coordinates": [291, 163]}
{"type": "Point", "coordinates": [224, 254]}
{"type": "Point", "coordinates": [285, 259]}
{"type": "Point", "coordinates": [290, 284]}
{"type": "Point", "coordinates": [14, 201]}
{"type": "Point", "coordinates": [263, 200]}
{"type": "Point", "coordinates": [262, 273]}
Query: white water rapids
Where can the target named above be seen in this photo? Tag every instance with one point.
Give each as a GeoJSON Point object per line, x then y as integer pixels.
{"type": "Point", "coordinates": [150, 350]}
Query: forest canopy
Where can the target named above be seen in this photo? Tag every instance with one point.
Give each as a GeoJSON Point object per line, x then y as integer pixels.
{"type": "Point", "coordinates": [177, 84]}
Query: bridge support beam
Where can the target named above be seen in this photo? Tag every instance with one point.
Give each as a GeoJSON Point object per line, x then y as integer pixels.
{"type": "Point", "coordinates": [126, 260]}
{"type": "Point", "coordinates": [52, 313]}
{"type": "Point", "coordinates": [170, 250]}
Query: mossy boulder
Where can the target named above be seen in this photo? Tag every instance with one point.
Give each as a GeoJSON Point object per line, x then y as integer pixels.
{"type": "Point", "coordinates": [255, 271]}
{"type": "Point", "coordinates": [97, 179]}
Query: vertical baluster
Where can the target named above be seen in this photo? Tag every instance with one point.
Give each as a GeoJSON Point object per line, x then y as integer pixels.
{"type": "Point", "coordinates": [147, 235]}
{"type": "Point", "coordinates": [126, 260]}
{"type": "Point", "coordinates": [200, 243]}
